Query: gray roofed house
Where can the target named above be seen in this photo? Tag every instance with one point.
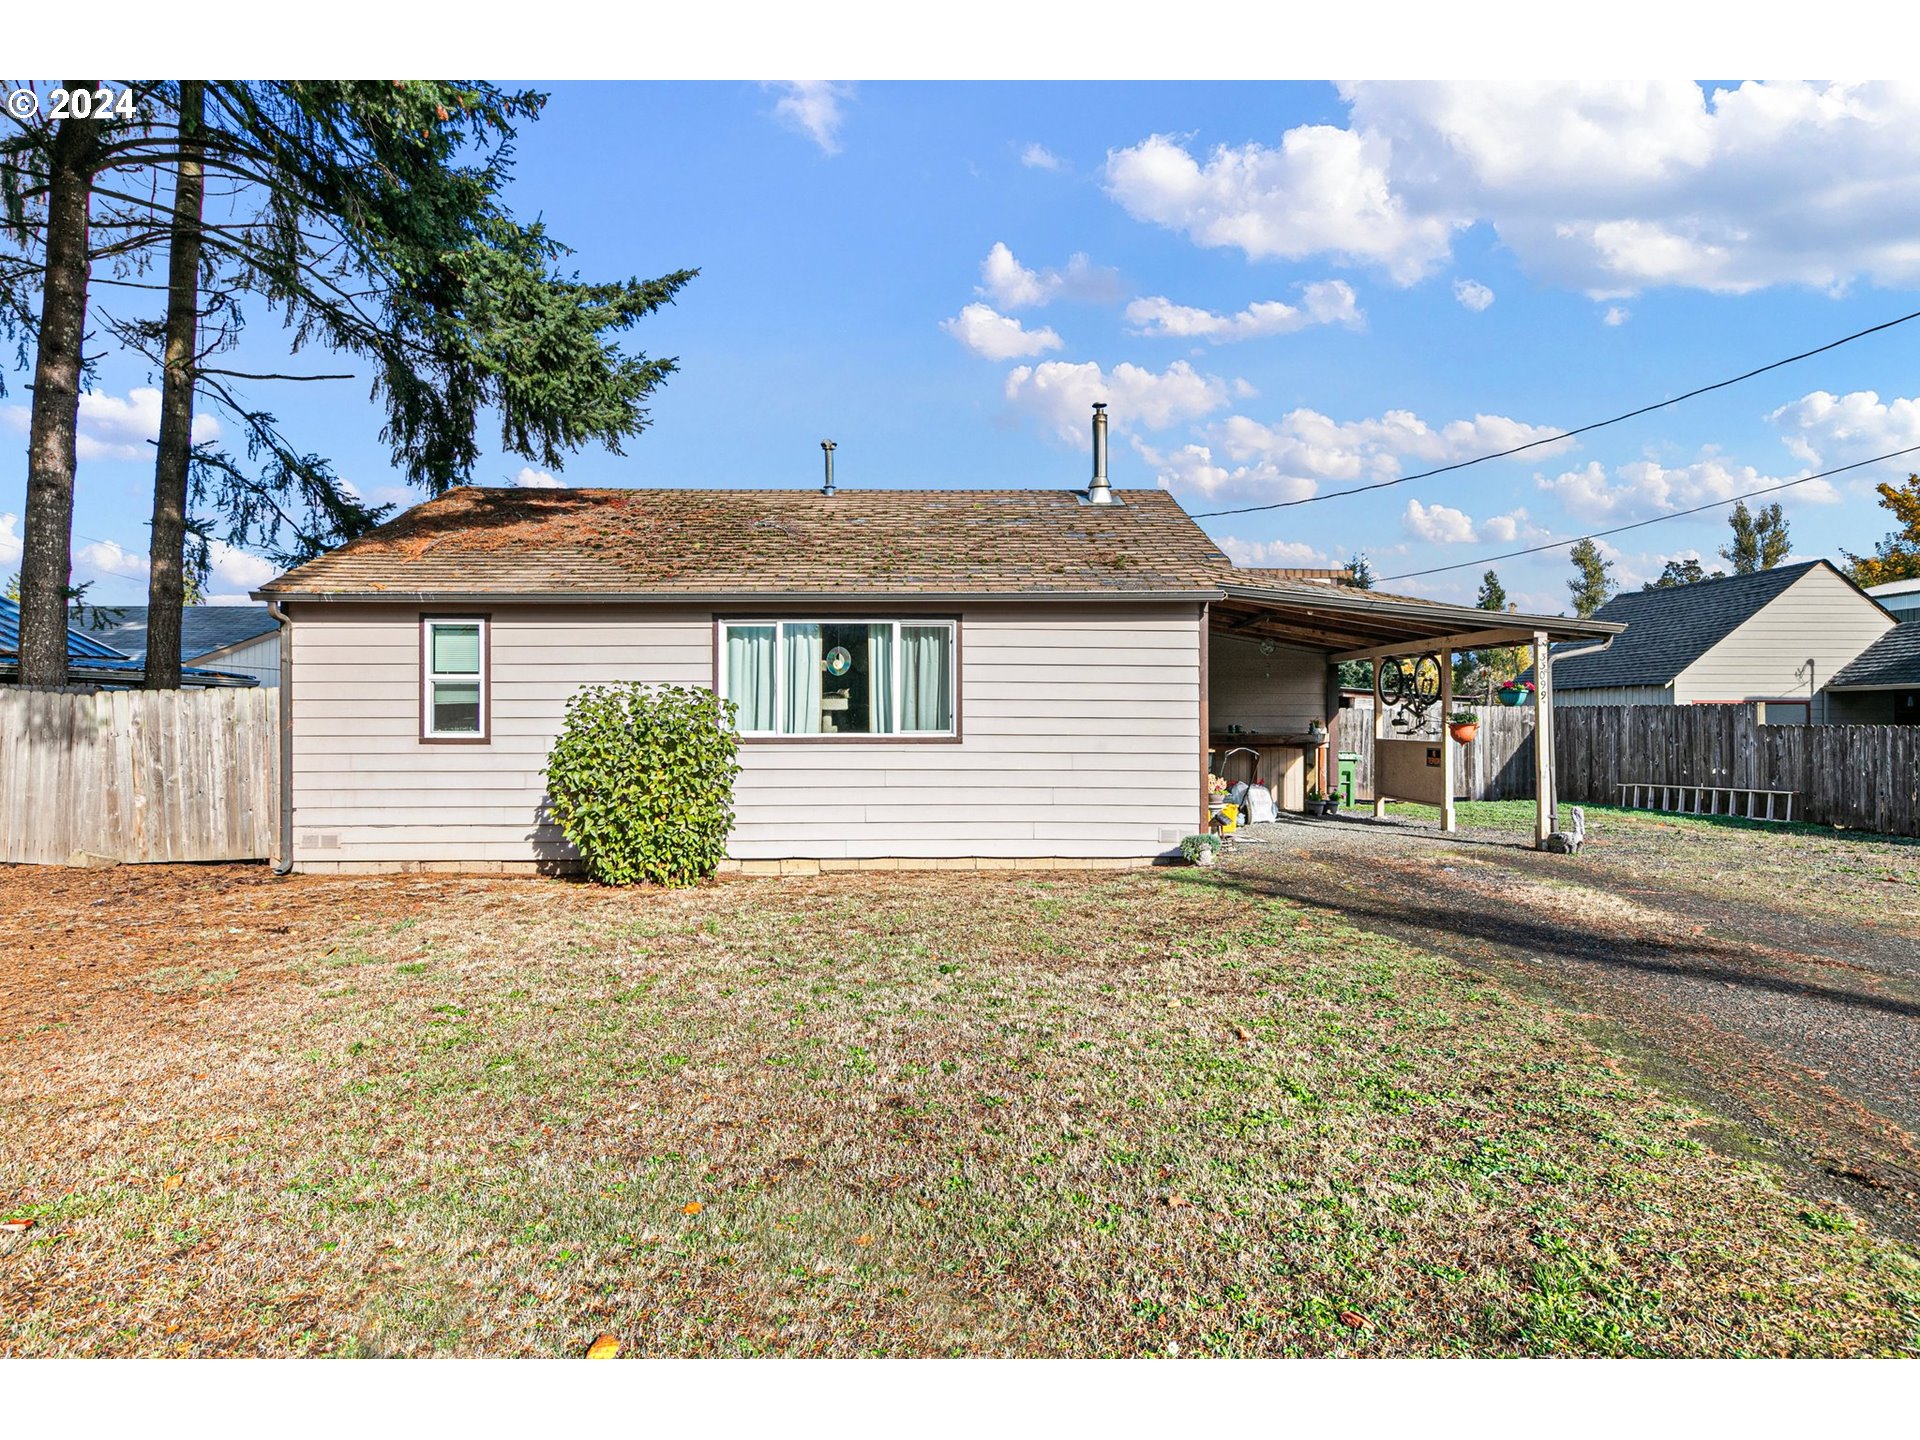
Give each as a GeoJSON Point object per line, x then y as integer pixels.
{"type": "Point", "coordinates": [1882, 684]}
{"type": "Point", "coordinates": [1775, 637]}
{"type": "Point", "coordinates": [239, 639]}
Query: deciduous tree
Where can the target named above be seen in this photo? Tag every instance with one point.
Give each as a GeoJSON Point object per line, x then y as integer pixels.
{"type": "Point", "coordinates": [1898, 556]}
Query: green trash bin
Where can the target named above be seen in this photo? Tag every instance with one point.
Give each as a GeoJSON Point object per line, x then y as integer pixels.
{"type": "Point", "coordinates": [1349, 769]}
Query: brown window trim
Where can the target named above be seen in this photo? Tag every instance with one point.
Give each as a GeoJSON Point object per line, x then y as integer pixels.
{"type": "Point", "coordinates": [485, 737]}
{"type": "Point", "coordinates": [853, 613]}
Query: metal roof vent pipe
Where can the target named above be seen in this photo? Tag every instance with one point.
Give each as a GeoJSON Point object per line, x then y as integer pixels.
{"type": "Point", "coordinates": [1100, 492]}
{"type": "Point", "coordinates": [826, 449]}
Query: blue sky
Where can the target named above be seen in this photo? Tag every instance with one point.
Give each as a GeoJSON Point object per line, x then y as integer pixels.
{"type": "Point", "coordinates": [1281, 289]}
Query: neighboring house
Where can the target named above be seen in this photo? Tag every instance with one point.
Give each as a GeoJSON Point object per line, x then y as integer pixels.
{"type": "Point", "coordinates": [1901, 597]}
{"type": "Point", "coordinates": [235, 639]}
{"type": "Point", "coordinates": [1881, 686]}
{"type": "Point", "coordinates": [1776, 637]}
{"type": "Point", "coordinates": [90, 662]}
{"type": "Point", "coordinates": [983, 677]}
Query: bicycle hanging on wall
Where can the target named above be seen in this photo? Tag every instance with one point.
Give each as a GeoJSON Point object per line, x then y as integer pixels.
{"type": "Point", "coordinates": [1410, 686]}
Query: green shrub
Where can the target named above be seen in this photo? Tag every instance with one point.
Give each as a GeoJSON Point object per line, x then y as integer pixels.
{"type": "Point", "coordinates": [641, 781]}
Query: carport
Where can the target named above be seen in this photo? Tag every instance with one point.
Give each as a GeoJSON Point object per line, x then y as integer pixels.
{"type": "Point", "coordinates": [1300, 630]}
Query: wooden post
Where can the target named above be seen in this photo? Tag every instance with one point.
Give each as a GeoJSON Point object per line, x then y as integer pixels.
{"type": "Point", "coordinates": [1542, 739]}
{"type": "Point", "coordinates": [1448, 824]}
{"type": "Point", "coordinates": [1379, 733]}
{"type": "Point", "coordinates": [1206, 726]}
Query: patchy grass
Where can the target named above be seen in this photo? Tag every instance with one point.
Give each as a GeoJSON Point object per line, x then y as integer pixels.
{"type": "Point", "coordinates": [908, 1115]}
{"type": "Point", "coordinates": [1806, 869]}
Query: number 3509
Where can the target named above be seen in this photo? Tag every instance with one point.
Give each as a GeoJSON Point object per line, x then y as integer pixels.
{"type": "Point", "coordinates": [87, 104]}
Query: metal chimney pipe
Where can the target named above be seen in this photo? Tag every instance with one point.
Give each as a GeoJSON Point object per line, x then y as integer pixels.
{"type": "Point", "coordinates": [826, 449]}
{"type": "Point", "coordinates": [1100, 492]}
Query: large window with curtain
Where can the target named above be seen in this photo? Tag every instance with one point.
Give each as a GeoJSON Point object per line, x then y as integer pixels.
{"type": "Point", "coordinates": [841, 677]}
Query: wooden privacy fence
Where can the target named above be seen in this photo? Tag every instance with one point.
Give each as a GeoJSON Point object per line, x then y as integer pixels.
{"type": "Point", "coordinates": [1862, 777]}
{"type": "Point", "coordinates": [138, 776]}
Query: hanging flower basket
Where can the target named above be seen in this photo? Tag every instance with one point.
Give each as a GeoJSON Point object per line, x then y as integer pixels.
{"type": "Point", "coordinates": [1514, 693]}
{"type": "Point", "coordinates": [1464, 730]}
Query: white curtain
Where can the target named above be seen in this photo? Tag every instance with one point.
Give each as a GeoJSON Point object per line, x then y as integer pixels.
{"type": "Point", "coordinates": [880, 679]}
{"type": "Point", "coordinates": [750, 676]}
{"type": "Point", "coordinates": [926, 691]}
{"type": "Point", "coordinates": [803, 680]}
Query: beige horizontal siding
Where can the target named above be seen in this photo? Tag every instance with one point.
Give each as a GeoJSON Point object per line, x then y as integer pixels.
{"type": "Point", "coordinates": [1819, 617]}
{"type": "Point", "coordinates": [1080, 739]}
{"type": "Point", "coordinates": [1277, 694]}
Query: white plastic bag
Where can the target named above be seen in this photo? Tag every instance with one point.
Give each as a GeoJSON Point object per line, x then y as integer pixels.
{"type": "Point", "coordinates": [1260, 807]}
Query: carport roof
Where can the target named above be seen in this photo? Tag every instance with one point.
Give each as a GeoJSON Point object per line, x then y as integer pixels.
{"type": "Point", "coordinates": [1342, 619]}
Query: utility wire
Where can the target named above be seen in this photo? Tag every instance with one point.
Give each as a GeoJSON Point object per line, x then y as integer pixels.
{"type": "Point", "coordinates": [1565, 434]}
{"type": "Point", "coordinates": [1655, 520]}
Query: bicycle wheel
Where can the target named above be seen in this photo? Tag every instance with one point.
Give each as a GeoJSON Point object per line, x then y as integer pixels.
{"type": "Point", "coordinates": [1396, 680]}
{"type": "Point", "coordinates": [1426, 678]}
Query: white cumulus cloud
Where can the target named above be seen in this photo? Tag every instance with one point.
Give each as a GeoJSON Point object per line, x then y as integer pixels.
{"type": "Point", "coordinates": [116, 427]}
{"type": "Point", "coordinates": [1275, 554]}
{"type": "Point", "coordinates": [529, 478]}
{"type": "Point", "coordinates": [1441, 524]}
{"type": "Point", "coordinates": [1006, 284]}
{"type": "Point", "coordinates": [1608, 187]}
{"type": "Point", "coordinates": [1037, 157]}
{"type": "Point", "coordinates": [1616, 315]}
{"type": "Point", "coordinates": [1323, 302]}
{"type": "Point", "coordinates": [993, 336]}
{"type": "Point", "coordinates": [1643, 488]}
{"type": "Point", "coordinates": [1823, 430]}
{"type": "Point", "coordinates": [1060, 395]}
{"type": "Point", "coordinates": [1472, 294]}
{"type": "Point", "coordinates": [813, 107]}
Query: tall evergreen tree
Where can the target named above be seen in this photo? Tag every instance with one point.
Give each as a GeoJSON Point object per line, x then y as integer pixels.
{"type": "Point", "coordinates": [1898, 556]}
{"type": "Point", "coordinates": [1493, 595]}
{"type": "Point", "coordinates": [1592, 583]}
{"type": "Point", "coordinates": [366, 216]}
{"type": "Point", "coordinates": [1360, 572]}
{"type": "Point", "coordinates": [1760, 539]}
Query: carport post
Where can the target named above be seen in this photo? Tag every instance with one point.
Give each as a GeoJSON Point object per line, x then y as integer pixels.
{"type": "Point", "coordinates": [1448, 824]}
{"type": "Point", "coordinates": [1379, 734]}
{"type": "Point", "coordinates": [1543, 802]}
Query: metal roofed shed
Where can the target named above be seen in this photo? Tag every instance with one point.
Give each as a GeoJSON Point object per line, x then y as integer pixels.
{"type": "Point", "coordinates": [92, 662]}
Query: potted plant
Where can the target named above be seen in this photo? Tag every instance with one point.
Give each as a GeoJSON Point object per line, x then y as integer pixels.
{"type": "Point", "coordinates": [1463, 725]}
{"type": "Point", "coordinates": [1515, 692]}
{"type": "Point", "coordinates": [1318, 804]}
{"type": "Point", "coordinates": [1199, 849]}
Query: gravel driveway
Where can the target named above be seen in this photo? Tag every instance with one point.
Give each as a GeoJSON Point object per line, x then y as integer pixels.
{"type": "Point", "coordinates": [1773, 976]}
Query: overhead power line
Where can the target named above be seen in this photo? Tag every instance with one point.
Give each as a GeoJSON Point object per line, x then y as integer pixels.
{"type": "Point", "coordinates": [1564, 434]}
{"type": "Point", "coordinates": [1654, 520]}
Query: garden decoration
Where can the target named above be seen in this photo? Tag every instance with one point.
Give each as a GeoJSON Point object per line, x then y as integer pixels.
{"type": "Point", "coordinates": [1463, 725]}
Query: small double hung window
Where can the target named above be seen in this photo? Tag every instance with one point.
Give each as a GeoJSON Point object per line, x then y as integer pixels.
{"type": "Point", "coordinates": [453, 698]}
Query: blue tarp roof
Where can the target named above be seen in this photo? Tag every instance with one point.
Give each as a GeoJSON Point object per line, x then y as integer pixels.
{"type": "Point", "coordinates": [79, 646]}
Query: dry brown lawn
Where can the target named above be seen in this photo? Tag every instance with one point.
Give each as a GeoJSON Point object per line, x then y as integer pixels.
{"type": "Point", "coordinates": [862, 1115]}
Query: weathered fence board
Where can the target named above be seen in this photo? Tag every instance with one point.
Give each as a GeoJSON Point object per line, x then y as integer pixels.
{"type": "Point", "coordinates": [1862, 777]}
{"type": "Point", "coordinates": [138, 776]}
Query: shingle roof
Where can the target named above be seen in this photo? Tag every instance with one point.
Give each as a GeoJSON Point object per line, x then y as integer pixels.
{"type": "Point", "coordinates": [1669, 629]}
{"type": "Point", "coordinates": [203, 628]}
{"type": "Point", "coordinates": [716, 542]}
{"type": "Point", "coordinates": [1893, 659]}
{"type": "Point", "coordinates": [1271, 575]}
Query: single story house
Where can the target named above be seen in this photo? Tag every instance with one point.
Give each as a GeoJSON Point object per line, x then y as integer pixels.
{"type": "Point", "coordinates": [92, 662]}
{"type": "Point", "coordinates": [1774, 638]}
{"type": "Point", "coordinates": [1881, 685]}
{"type": "Point", "coordinates": [967, 678]}
{"type": "Point", "coordinates": [234, 639]}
